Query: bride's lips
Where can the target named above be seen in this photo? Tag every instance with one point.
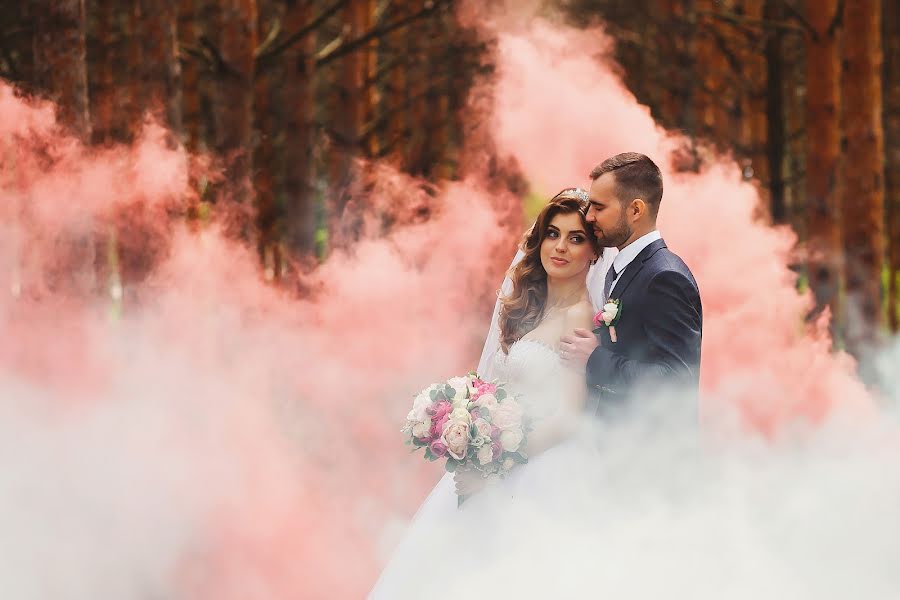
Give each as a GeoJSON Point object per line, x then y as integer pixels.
{"type": "Point", "coordinates": [559, 261]}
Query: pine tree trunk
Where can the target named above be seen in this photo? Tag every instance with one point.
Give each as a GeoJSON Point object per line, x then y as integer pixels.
{"type": "Point", "coordinates": [101, 78]}
{"type": "Point", "coordinates": [437, 117]}
{"type": "Point", "coordinates": [234, 101]}
{"type": "Point", "coordinates": [264, 110]}
{"type": "Point", "coordinates": [298, 101]}
{"type": "Point", "coordinates": [60, 67]}
{"type": "Point", "coordinates": [776, 138]}
{"type": "Point", "coordinates": [347, 120]}
{"type": "Point", "coordinates": [863, 199]}
{"type": "Point", "coordinates": [891, 24]}
{"type": "Point", "coordinates": [190, 81]}
{"type": "Point", "coordinates": [823, 152]}
{"type": "Point", "coordinates": [160, 70]}
{"type": "Point", "coordinates": [418, 80]}
{"type": "Point", "coordinates": [753, 124]}
{"type": "Point", "coordinates": [397, 95]}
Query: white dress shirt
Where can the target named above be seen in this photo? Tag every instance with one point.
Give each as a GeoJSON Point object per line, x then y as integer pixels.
{"type": "Point", "coordinates": [630, 252]}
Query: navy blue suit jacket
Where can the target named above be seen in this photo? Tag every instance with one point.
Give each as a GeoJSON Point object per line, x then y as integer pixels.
{"type": "Point", "coordinates": [658, 331]}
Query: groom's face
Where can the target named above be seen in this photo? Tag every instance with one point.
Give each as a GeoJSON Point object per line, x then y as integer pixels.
{"type": "Point", "coordinates": [607, 214]}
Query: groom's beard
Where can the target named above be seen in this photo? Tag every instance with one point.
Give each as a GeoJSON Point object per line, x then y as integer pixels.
{"type": "Point", "coordinates": [615, 237]}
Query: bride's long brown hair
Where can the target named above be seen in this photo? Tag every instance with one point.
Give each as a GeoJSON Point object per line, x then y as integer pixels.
{"type": "Point", "coordinates": [523, 308]}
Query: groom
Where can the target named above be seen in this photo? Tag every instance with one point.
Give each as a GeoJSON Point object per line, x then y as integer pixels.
{"type": "Point", "coordinates": [658, 330]}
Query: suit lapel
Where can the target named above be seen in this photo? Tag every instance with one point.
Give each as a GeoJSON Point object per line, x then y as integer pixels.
{"type": "Point", "coordinates": [634, 267]}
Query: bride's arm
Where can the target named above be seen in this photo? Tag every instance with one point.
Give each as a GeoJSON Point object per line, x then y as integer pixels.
{"type": "Point", "coordinates": [562, 424]}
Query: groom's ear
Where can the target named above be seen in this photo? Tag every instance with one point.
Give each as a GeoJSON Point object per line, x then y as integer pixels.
{"type": "Point", "coordinates": [638, 208]}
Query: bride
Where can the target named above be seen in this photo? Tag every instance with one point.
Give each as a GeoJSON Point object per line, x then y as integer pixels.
{"type": "Point", "coordinates": [545, 297]}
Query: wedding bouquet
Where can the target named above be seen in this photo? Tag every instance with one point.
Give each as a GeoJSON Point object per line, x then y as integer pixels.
{"type": "Point", "coordinates": [469, 423]}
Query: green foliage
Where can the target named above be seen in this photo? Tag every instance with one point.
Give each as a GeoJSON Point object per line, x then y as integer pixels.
{"type": "Point", "coordinates": [533, 204]}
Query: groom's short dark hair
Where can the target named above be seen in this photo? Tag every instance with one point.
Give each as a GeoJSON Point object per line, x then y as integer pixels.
{"type": "Point", "coordinates": [636, 177]}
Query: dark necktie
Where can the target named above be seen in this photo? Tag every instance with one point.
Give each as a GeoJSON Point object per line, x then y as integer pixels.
{"type": "Point", "coordinates": [607, 284]}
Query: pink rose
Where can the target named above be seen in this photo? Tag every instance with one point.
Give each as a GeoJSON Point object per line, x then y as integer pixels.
{"type": "Point", "coordinates": [438, 448]}
{"type": "Point", "coordinates": [437, 426]}
{"type": "Point", "coordinates": [456, 438]}
{"type": "Point", "coordinates": [498, 449]}
{"type": "Point", "coordinates": [598, 319]}
{"type": "Point", "coordinates": [495, 433]}
{"type": "Point", "coordinates": [442, 408]}
{"type": "Point", "coordinates": [508, 415]}
{"type": "Point", "coordinates": [487, 388]}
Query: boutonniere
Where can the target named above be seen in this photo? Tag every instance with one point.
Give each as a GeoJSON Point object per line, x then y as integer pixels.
{"type": "Point", "coordinates": [608, 317]}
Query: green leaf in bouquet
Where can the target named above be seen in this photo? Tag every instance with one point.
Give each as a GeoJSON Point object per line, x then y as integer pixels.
{"type": "Point", "coordinates": [420, 443]}
{"type": "Point", "coordinates": [451, 465]}
{"type": "Point", "coordinates": [500, 394]}
{"type": "Point", "coordinates": [433, 395]}
{"type": "Point", "coordinates": [429, 455]}
{"type": "Point", "coordinates": [450, 392]}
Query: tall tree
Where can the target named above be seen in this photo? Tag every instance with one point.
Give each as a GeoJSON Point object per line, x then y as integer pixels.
{"type": "Point", "coordinates": [297, 95]}
{"type": "Point", "coordinates": [891, 111]}
{"type": "Point", "coordinates": [60, 67]}
{"type": "Point", "coordinates": [418, 79]}
{"type": "Point", "coordinates": [753, 123]}
{"type": "Point", "coordinates": [823, 136]}
{"type": "Point", "coordinates": [190, 78]}
{"type": "Point", "coordinates": [233, 108]}
{"type": "Point", "coordinates": [776, 115]}
{"type": "Point", "coordinates": [346, 120]}
{"type": "Point", "coordinates": [270, 15]}
{"type": "Point", "coordinates": [160, 69]}
{"type": "Point", "coordinates": [863, 197]}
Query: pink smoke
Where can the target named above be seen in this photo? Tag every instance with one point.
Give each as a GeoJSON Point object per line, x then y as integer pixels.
{"type": "Point", "coordinates": [261, 430]}
{"type": "Point", "coordinates": [560, 112]}
{"type": "Point", "coordinates": [267, 425]}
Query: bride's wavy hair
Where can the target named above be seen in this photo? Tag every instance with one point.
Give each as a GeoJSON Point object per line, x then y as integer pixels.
{"type": "Point", "coordinates": [523, 308]}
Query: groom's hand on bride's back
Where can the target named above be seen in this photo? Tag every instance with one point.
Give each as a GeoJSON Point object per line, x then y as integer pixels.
{"type": "Point", "coordinates": [575, 349]}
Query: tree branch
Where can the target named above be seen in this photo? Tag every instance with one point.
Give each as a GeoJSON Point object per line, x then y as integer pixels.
{"type": "Point", "coordinates": [376, 32]}
{"type": "Point", "coordinates": [273, 34]}
{"type": "Point", "coordinates": [740, 20]}
{"type": "Point", "coordinates": [265, 55]}
{"type": "Point", "coordinates": [798, 16]}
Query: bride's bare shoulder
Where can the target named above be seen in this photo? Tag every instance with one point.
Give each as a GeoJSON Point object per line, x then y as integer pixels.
{"type": "Point", "coordinates": [580, 315]}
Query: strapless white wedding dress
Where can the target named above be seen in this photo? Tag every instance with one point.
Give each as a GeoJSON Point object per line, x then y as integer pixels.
{"type": "Point", "coordinates": [491, 535]}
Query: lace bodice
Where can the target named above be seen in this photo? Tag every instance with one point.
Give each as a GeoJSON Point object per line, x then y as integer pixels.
{"type": "Point", "coordinates": [533, 372]}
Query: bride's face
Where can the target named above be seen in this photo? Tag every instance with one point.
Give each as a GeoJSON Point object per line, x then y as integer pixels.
{"type": "Point", "coordinates": [565, 249]}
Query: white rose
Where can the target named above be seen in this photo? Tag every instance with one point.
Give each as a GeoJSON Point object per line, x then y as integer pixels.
{"type": "Point", "coordinates": [461, 414]}
{"type": "Point", "coordinates": [456, 438]}
{"type": "Point", "coordinates": [488, 401]}
{"type": "Point", "coordinates": [483, 428]}
{"type": "Point", "coordinates": [510, 440]}
{"type": "Point", "coordinates": [507, 415]}
{"type": "Point", "coordinates": [485, 454]}
{"type": "Point", "coordinates": [421, 429]}
{"type": "Point", "coordinates": [460, 402]}
{"type": "Point", "coordinates": [610, 310]}
{"type": "Point", "coordinates": [421, 403]}
{"type": "Point", "coordinates": [461, 386]}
